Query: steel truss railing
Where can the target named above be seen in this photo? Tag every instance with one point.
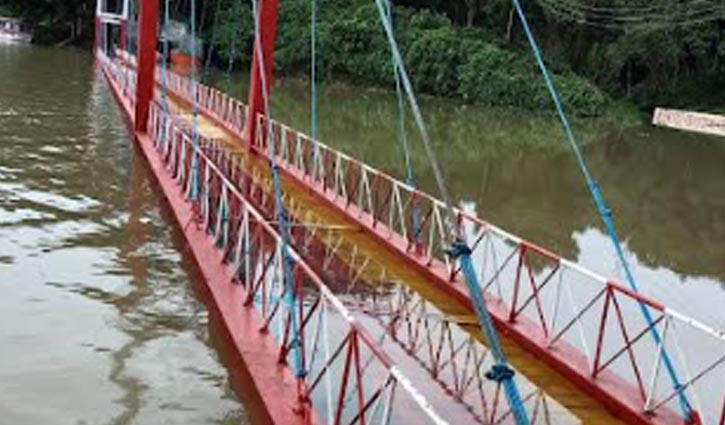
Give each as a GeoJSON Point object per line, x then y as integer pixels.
{"type": "Point", "coordinates": [452, 356]}
{"type": "Point", "coordinates": [349, 379]}
{"type": "Point", "coordinates": [125, 77]}
{"type": "Point", "coordinates": [585, 319]}
{"type": "Point", "coordinates": [227, 108]}
{"type": "Point", "coordinates": [581, 318]}
{"type": "Point", "coordinates": [454, 359]}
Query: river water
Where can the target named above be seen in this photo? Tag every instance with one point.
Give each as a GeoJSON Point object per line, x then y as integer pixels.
{"type": "Point", "coordinates": [100, 321]}
{"type": "Point", "coordinates": [515, 170]}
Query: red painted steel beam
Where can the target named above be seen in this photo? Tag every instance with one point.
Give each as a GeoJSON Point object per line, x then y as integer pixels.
{"type": "Point", "coordinates": [147, 39]}
{"type": "Point", "coordinates": [617, 395]}
{"type": "Point", "coordinates": [97, 28]}
{"type": "Point", "coordinates": [267, 31]}
{"type": "Point", "coordinates": [123, 35]}
{"type": "Point", "coordinates": [97, 35]}
{"type": "Point", "coordinates": [267, 388]}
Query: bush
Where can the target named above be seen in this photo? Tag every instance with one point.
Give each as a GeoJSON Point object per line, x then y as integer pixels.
{"type": "Point", "coordinates": [433, 60]}
{"type": "Point", "coordinates": [494, 76]}
{"type": "Point", "coordinates": [356, 47]}
{"type": "Point", "coordinates": [579, 95]}
{"type": "Point", "coordinates": [441, 58]}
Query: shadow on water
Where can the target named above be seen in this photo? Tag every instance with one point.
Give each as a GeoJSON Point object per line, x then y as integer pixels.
{"type": "Point", "coordinates": [179, 317]}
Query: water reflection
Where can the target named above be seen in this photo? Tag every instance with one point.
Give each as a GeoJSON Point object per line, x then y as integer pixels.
{"type": "Point", "coordinates": [665, 187]}
{"type": "Point", "coordinates": [94, 288]}
{"type": "Point", "coordinates": [94, 292]}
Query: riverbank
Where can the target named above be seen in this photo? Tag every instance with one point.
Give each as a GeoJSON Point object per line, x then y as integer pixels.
{"type": "Point", "coordinates": [474, 131]}
{"type": "Point", "coordinates": [472, 52]}
{"type": "Point", "coordinates": [486, 64]}
{"type": "Point", "coordinates": [460, 63]}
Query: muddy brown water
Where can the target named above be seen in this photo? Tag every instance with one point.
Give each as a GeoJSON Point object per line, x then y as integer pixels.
{"type": "Point", "coordinates": [100, 321]}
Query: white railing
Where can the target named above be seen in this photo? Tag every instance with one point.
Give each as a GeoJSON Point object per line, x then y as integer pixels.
{"type": "Point", "coordinates": [345, 377]}
{"type": "Point", "coordinates": [452, 356]}
{"type": "Point", "coordinates": [577, 317]}
{"type": "Point", "coordinates": [561, 304]}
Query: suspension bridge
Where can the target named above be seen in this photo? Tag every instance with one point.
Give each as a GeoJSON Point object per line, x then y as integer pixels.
{"type": "Point", "coordinates": [350, 296]}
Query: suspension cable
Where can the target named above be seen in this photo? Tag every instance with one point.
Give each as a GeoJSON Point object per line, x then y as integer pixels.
{"type": "Point", "coordinates": [230, 62]}
{"type": "Point", "coordinates": [164, 62]}
{"type": "Point", "coordinates": [232, 49]}
{"type": "Point", "coordinates": [451, 230]}
{"type": "Point", "coordinates": [613, 19]}
{"type": "Point", "coordinates": [237, 10]}
{"type": "Point", "coordinates": [194, 186]}
{"type": "Point", "coordinates": [313, 85]}
{"type": "Point", "coordinates": [604, 212]}
{"type": "Point", "coordinates": [657, 11]}
{"type": "Point", "coordinates": [313, 73]}
{"type": "Point", "coordinates": [501, 372]}
{"type": "Point", "coordinates": [127, 72]}
{"type": "Point", "coordinates": [403, 133]}
{"type": "Point", "coordinates": [128, 21]}
{"type": "Point", "coordinates": [280, 212]}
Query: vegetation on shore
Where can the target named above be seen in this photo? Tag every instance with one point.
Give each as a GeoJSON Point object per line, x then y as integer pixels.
{"type": "Point", "coordinates": [443, 59]}
{"type": "Point", "coordinates": [54, 21]}
{"type": "Point", "coordinates": [646, 52]}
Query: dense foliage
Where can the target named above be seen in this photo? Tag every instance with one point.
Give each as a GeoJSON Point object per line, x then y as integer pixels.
{"type": "Point", "coordinates": [442, 58]}
{"type": "Point", "coordinates": [649, 51]}
{"type": "Point", "coordinates": [55, 20]}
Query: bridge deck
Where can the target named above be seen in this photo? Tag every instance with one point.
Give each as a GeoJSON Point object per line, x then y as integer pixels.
{"type": "Point", "coordinates": [576, 339]}
{"type": "Point", "coordinates": [386, 263]}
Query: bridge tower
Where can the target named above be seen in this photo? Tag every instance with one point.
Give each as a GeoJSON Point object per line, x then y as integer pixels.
{"type": "Point", "coordinates": [268, 10]}
{"type": "Point", "coordinates": [147, 39]}
{"type": "Point", "coordinates": [148, 29]}
{"type": "Point", "coordinates": [105, 18]}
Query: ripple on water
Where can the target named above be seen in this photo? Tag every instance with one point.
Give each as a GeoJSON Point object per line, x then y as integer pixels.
{"type": "Point", "coordinates": [92, 284]}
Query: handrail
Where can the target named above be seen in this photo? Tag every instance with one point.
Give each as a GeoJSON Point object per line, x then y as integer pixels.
{"type": "Point", "coordinates": [385, 203]}
{"type": "Point", "coordinates": [454, 358]}
{"type": "Point", "coordinates": [263, 283]}
{"type": "Point", "coordinates": [569, 305]}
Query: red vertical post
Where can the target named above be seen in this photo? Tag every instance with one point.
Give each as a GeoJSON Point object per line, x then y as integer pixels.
{"type": "Point", "coordinates": [97, 27]}
{"type": "Point", "coordinates": [147, 39]}
{"type": "Point", "coordinates": [123, 35]}
{"type": "Point", "coordinates": [124, 26]}
{"type": "Point", "coordinates": [97, 36]}
{"type": "Point", "coordinates": [267, 31]}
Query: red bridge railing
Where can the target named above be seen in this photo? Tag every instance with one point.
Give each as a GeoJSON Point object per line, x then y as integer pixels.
{"type": "Point", "coordinates": [451, 356]}
{"type": "Point", "coordinates": [579, 322]}
{"type": "Point", "coordinates": [348, 379]}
